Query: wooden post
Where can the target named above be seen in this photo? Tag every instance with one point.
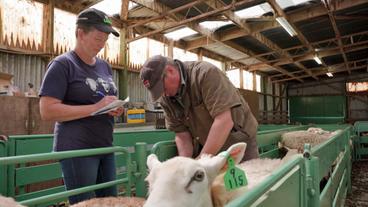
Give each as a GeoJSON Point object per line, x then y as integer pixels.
{"type": "Point", "coordinates": [264, 91]}
{"type": "Point", "coordinates": [171, 49]}
{"type": "Point", "coordinates": [273, 102]}
{"type": "Point", "coordinates": [48, 27]}
{"type": "Point", "coordinates": [123, 56]}
{"type": "Point", "coordinates": [200, 54]}
{"type": "Point", "coordinates": [254, 81]}
{"type": "Point", "coordinates": [241, 79]}
{"type": "Point", "coordinates": [1, 28]}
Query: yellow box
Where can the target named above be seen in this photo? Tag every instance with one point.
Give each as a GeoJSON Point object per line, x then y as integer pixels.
{"type": "Point", "coordinates": [136, 116]}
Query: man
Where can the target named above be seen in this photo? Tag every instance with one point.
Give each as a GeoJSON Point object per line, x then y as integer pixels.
{"type": "Point", "coordinates": [201, 105]}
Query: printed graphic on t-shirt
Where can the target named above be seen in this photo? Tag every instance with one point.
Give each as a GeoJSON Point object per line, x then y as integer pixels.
{"type": "Point", "coordinates": [101, 84]}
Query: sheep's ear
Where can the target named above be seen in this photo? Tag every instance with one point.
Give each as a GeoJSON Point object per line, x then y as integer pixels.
{"type": "Point", "coordinates": [236, 151]}
{"type": "Point", "coordinates": [152, 161]}
{"type": "Point", "coordinates": [213, 165]}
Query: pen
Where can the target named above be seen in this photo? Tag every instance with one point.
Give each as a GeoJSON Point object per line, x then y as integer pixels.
{"type": "Point", "coordinates": [100, 93]}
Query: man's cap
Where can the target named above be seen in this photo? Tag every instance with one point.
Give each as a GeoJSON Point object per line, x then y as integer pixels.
{"type": "Point", "coordinates": [97, 19]}
{"type": "Point", "coordinates": [152, 75]}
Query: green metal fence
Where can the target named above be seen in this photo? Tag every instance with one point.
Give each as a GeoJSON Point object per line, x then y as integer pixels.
{"type": "Point", "coordinates": [317, 109]}
{"type": "Point", "coordinates": [361, 140]}
{"type": "Point", "coordinates": [50, 196]}
{"type": "Point", "coordinates": [297, 183]}
{"type": "Point", "coordinates": [333, 160]}
{"type": "Point", "coordinates": [267, 141]}
{"type": "Point", "coordinates": [285, 187]}
{"type": "Point", "coordinates": [22, 181]}
{"type": "Point", "coordinates": [3, 168]}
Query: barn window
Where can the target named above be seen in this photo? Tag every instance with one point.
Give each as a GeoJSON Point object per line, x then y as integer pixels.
{"type": "Point", "coordinates": [357, 86]}
{"type": "Point", "coordinates": [233, 76]}
{"type": "Point", "coordinates": [216, 63]}
{"type": "Point", "coordinates": [183, 55]}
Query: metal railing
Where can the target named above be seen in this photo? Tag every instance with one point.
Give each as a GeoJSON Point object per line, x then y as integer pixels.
{"type": "Point", "coordinates": [138, 175]}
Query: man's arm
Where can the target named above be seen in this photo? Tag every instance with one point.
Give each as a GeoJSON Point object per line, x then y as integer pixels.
{"type": "Point", "coordinates": [184, 144]}
{"type": "Point", "coordinates": [218, 133]}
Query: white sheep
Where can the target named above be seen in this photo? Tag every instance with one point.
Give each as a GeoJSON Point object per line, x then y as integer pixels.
{"type": "Point", "coordinates": [317, 130]}
{"type": "Point", "coordinates": [313, 136]}
{"type": "Point", "coordinates": [112, 202]}
{"type": "Point", "coordinates": [183, 182]}
{"type": "Point", "coordinates": [95, 202]}
{"type": "Point", "coordinates": [8, 202]}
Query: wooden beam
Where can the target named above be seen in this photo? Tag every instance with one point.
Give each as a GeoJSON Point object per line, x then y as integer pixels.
{"type": "Point", "coordinates": [351, 17]}
{"type": "Point", "coordinates": [124, 12]}
{"type": "Point", "coordinates": [310, 55]}
{"type": "Point", "coordinates": [294, 17]}
{"type": "Point", "coordinates": [245, 27]}
{"type": "Point", "coordinates": [300, 35]}
{"type": "Point", "coordinates": [186, 21]}
{"type": "Point", "coordinates": [203, 41]}
{"type": "Point", "coordinates": [337, 33]}
{"type": "Point", "coordinates": [229, 14]}
{"type": "Point", "coordinates": [164, 12]}
{"type": "Point", "coordinates": [337, 69]}
{"type": "Point", "coordinates": [158, 7]}
{"type": "Point", "coordinates": [48, 27]}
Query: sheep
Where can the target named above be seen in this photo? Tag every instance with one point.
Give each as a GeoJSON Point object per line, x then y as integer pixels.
{"type": "Point", "coordinates": [183, 182]}
{"type": "Point", "coordinates": [8, 202]}
{"type": "Point", "coordinates": [95, 202]}
{"type": "Point", "coordinates": [112, 202]}
{"type": "Point", "coordinates": [313, 136]}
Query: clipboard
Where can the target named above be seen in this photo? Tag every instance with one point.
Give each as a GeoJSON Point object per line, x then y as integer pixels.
{"type": "Point", "coordinates": [111, 107]}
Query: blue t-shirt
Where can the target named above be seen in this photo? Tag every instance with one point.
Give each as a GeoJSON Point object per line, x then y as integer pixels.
{"type": "Point", "coordinates": [74, 82]}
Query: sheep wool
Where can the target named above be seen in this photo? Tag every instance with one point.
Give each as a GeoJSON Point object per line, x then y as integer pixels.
{"type": "Point", "coordinates": [297, 139]}
{"type": "Point", "coordinates": [112, 202]}
{"type": "Point", "coordinates": [8, 202]}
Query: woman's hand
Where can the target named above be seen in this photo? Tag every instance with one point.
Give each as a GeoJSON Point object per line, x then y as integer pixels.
{"type": "Point", "coordinates": [105, 101]}
{"type": "Point", "coordinates": [117, 112]}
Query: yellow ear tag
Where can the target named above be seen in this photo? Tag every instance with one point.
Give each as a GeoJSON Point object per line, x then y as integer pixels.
{"type": "Point", "coordinates": [234, 177]}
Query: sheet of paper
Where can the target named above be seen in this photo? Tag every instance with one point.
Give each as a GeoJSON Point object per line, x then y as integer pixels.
{"type": "Point", "coordinates": [111, 107]}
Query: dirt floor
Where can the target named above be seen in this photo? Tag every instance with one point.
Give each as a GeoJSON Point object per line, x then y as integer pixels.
{"type": "Point", "coordinates": [359, 195]}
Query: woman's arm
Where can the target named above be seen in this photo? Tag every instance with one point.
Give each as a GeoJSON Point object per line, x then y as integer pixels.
{"type": "Point", "coordinates": [52, 109]}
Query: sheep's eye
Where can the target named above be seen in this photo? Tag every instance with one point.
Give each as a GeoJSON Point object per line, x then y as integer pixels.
{"type": "Point", "coordinates": [198, 176]}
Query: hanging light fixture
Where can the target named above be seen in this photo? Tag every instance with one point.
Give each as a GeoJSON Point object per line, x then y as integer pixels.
{"type": "Point", "coordinates": [317, 59]}
{"type": "Point", "coordinates": [285, 24]}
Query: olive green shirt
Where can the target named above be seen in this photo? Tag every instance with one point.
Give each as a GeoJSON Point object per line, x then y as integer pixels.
{"type": "Point", "coordinates": [207, 92]}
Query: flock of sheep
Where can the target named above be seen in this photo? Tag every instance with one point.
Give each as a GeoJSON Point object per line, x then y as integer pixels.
{"type": "Point", "coordinates": [183, 182]}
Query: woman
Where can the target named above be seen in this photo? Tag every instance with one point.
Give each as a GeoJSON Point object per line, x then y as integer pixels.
{"type": "Point", "coordinates": [77, 84]}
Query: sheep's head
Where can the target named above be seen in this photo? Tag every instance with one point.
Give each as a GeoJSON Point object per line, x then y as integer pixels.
{"type": "Point", "coordinates": [183, 182]}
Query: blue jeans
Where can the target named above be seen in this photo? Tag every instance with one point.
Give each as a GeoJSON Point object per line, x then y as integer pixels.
{"type": "Point", "coordinates": [84, 171]}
